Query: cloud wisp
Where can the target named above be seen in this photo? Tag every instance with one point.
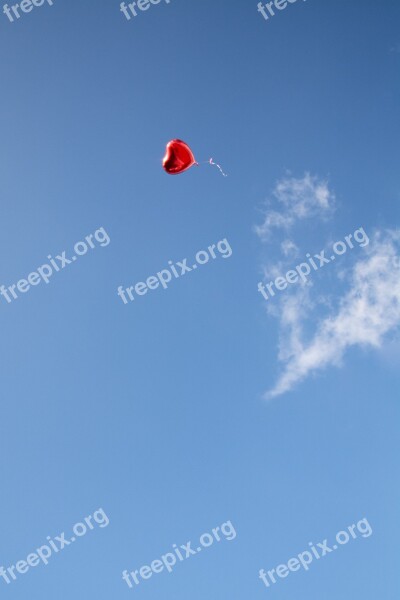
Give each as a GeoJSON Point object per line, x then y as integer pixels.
{"type": "Point", "coordinates": [298, 199]}
{"type": "Point", "coordinates": [365, 314]}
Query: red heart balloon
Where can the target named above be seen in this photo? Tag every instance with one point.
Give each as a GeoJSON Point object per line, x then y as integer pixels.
{"type": "Point", "coordinates": [178, 157]}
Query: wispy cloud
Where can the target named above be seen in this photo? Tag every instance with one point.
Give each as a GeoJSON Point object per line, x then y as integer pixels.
{"type": "Point", "coordinates": [289, 248]}
{"type": "Point", "coordinates": [297, 199]}
{"type": "Point", "coordinates": [364, 315]}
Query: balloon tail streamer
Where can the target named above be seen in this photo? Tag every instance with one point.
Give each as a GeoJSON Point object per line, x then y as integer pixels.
{"type": "Point", "coordinates": [211, 162]}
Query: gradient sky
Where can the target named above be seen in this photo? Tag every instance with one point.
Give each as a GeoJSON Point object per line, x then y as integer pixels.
{"type": "Point", "coordinates": [154, 411]}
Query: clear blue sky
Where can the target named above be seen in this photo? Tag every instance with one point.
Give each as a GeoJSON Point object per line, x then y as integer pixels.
{"type": "Point", "coordinates": [154, 411]}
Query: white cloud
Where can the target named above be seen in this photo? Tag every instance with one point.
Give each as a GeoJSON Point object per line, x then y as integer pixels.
{"type": "Point", "coordinates": [289, 248]}
{"type": "Point", "coordinates": [299, 199]}
{"type": "Point", "coordinates": [365, 314]}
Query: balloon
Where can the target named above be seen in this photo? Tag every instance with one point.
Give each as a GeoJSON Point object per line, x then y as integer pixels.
{"type": "Point", "coordinates": [178, 157]}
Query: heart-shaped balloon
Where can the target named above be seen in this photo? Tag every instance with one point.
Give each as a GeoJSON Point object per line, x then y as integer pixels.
{"type": "Point", "coordinates": [178, 157]}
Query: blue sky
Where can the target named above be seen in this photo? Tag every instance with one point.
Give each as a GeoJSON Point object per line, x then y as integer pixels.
{"type": "Point", "coordinates": [155, 411]}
